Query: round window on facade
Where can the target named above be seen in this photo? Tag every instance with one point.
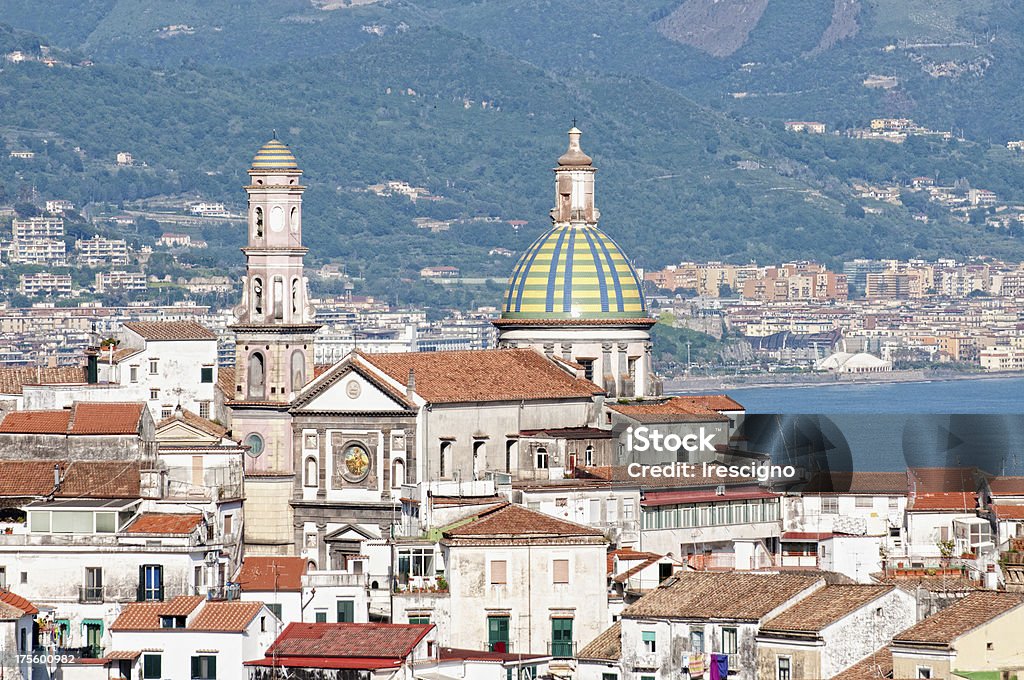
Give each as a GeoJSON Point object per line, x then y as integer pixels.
{"type": "Point", "coordinates": [356, 462]}
{"type": "Point", "coordinates": [255, 444]}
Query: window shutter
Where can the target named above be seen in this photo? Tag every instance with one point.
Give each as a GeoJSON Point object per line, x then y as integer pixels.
{"type": "Point", "coordinates": [499, 572]}
{"type": "Point", "coordinates": [159, 582]}
{"type": "Point", "coordinates": [561, 571]}
{"type": "Point", "coordinates": [212, 667]}
{"type": "Point", "coordinates": [195, 666]}
{"type": "Point", "coordinates": [140, 594]}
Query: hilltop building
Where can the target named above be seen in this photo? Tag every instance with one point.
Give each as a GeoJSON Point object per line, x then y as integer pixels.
{"type": "Point", "coordinates": [574, 294]}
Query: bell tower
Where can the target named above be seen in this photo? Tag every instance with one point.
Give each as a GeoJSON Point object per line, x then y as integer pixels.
{"type": "Point", "coordinates": [274, 329]}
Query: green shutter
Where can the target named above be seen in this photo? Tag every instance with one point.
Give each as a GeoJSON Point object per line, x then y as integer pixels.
{"type": "Point", "coordinates": [346, 611]}
{"type": "Point", "coordinates": [211, 667]}
{"type": "Point", "coordinates": [195, 666]}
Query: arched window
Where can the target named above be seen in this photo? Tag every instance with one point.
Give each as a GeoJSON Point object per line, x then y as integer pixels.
{"type": "Point", "coordinates": [397, 474]}
{"type": "Point", "coordinates": [257, 295]}
{"type": "Point", "coordinates": [258, 220]}
{"type": "Point", "coordinates": [295, 300]}
{"type": "Point", "coordinates": [293, 220]}
{"type": "Point", "coordinates": [446, 449]}
{"type": "Point", "coordinates": [278, 299]}
{"type": "Point", "coordinates": [588, 455]}
{"type": "Point", "coordinates": [510, 448]}
{"type": "Point", "coordinates": [257, 376]}
{"type": "Point", "coordinates": [298, 370]}
{"type": "Point", "coordinates": [542, 458]}
{"type": "Point", "coordinates": [312, 472]}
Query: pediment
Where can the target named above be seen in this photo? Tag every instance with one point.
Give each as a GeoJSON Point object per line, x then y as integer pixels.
{"type": "Point", "coordinates": [350, 532]}
{"type": "Point", "coordinates": [180, 432]}
{"type": "Point", "coordinates": [347, 387]}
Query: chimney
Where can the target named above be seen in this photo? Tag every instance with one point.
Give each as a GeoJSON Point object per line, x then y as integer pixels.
{"type": "Point", "coordinates": [92, 375]}
{"type": "Point", "coordinates": [410, 385]}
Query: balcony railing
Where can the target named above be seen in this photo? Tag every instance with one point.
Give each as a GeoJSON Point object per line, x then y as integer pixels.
{"type": "Point", "coordinates": [500, 646]}
{"type": "Point", "coordinates": [329, 579]}
{"type": "Point", "coordinates": [90, 594]}
{"type": "Point", "coordinates": [562, 650]}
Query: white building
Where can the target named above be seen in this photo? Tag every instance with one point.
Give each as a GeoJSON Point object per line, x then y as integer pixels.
{"type": "Point", "coordinates": [45, 283]}
{"type": "Point", "coordinates": [38, 227]}
{"type": "Point", "coordinates": [98, 250]}
{"type": "Point", "coordinates": [124, 158]}
{"type": "Point", "coordinates": [41, 251]}
{"type": "Point", "coordinates": [120, 280]}
{"type": "Point", "coordinates": [17, 640]}
{"type": "Point", "coordinates": [209, 209]}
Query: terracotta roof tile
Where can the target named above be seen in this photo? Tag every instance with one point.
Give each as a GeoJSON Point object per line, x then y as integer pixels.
{"type": "Point", "coordinates": [607, 646]}
{"type": "Point", "coordinates": [483, 375]}
{"type": "Point", "coordinates": [203, 424]}
{"type": "Point", "coordinates": [232, 616]}
{"type": "Point", "coordinates": [17, 602]}
{"type": "Point", "coordinates": [891, 483]}
{"type": "Point", "coordinates": [961, 617]}
{"type": "Point", "coordinates": [943, 479]}
{"type": "Point", "coordinates": [106, 417]}
{"type": "Point", "coordinates": [676, 409]}
{"type": "Point", "coordinates": [1006, 486]}
{"type": "Point", "coordinates": [271, 573]}
{"type": "Point", "coordinates": [952, 501]}
{"type": "Point", "coordinates": [13, 379]}
{"type": "Point", "coordinates": [146, 615]}
{"type": "Point", "coordinates": [511, 522]}
{"type": "Point", "coordinates": [226, 381]}
{"type": "Point", "coordinates": [876, 666]}
{"type": "Point", "coordinates": [106, 356]}
{"type": "Point", "coordinates": [1008, 511]}
{"type": "Point", "coordinates": [36, 422]}
{"type": "Point", "coordinates": [164, 523]}
{"type": "Point", "coordinates": [171, 330]}
{"type": "Point", "coordinates": [824, 607]}
{"type": "Point", "coordinates": [119, 655]}
{"type": "Point", "coordinates": [378, 640]}
{"type": "Point", "coordinates": [79, 479]}
{"type": "Point", "coordinates": [740, 596]}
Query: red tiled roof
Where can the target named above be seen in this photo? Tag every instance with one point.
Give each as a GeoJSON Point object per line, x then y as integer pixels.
{"type": "Point", "coordinates": [13, 379]}
{"type": "Point", "coordinates": [365, 663]}
{"type": "Point", "coordinates": [733, 595]}
{"type": "Point", "coordinates": [226, 381]}
{"type": "Point", "coordinates": [36, 422]}
{"type": "Point", "coordinates": [231, 616]}
{"type": "Point", "coordinates": [349, 640]}
{"type": "Point", "coordinates": [805, 536]}
{"type": "Point", "coordinates": [876, 666]}
{"type": "Point", "coordinates": [164, 523]}
{"type": "Point", "coordinates": [17, 602]}
{"type": "Point", "coordinates": [146, 615]}
{"type": "Point", "coordinates": [1012, 512]}
{"type": "Point", "coordinates": [923, 502]}
{"type": "Point", "coordinates": [445, 653]}
{"type": "Point", "coordinates": [516, 522]}
{"type": "Point", "coordinates": [676, 409]}
{"type": "Point", "coordinates": [639, 321]}
{"type": "Point", "coordinates": [203, 424]}
{"type": "Point", "coordinates": [483, 375]}
{"type": "Point", "coordinates": [106, 356]}
{"type": "Point", "coordinates": [824, 607]}
{"type": "Point", "coordinates": [1006, 486]}
{"type": "Point", "coordinates": [656, 498]}
{"type": "Point", "coordinates": [79, 479]}
{"type": "Point", "coordinates": [106, 418]}
{"type": "Point", "coordinates": [607, 646]}
{"type": "Point", "coordinates": [943, 479]}
{"type": "Point", "coordinates": [118, 655]}
{"type": "Point", "coordinates": [889, 483]}
{"type": "Point", "coordinates": [171, 330]}
{"type": "Point", "coordinates": [961, 617]}
{"type": "Point", "coordinates": [271, 573]}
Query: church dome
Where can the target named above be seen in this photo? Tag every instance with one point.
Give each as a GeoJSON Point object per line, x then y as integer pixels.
{"type": "Point", "coordinates": [274, 156]}
{"type": "Point", "coordinates": [574, 271]}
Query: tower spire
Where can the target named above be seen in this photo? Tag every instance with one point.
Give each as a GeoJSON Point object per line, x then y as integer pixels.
{"type": "Point", "coordinates": [574, 184]}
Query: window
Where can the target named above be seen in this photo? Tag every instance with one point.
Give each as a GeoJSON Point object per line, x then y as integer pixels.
{"type": "Point", "coordinates": [561, 638]}
{"type": "Point", "coordinates": [864, 502]}
{"type": "Point", "coordinates": [499, 574]}
{"type": "Point", "coordinates": [729, 640]}
{"type": "Point", "coordinates": [612, 676]}
{"type": "Point", "coordinates": [446, 449]}
{"type": "Point", "coordinates": [256, 373]}
{"type": "Point", "coordinates": [206, 374]}
{"type": "Point", "coordinates": [419, 620]}
{"type": "Point", "coordinates": [321, 616]}
{"type": "Point", "coordinates": [542, 458]}
{"type": "Point", "coordinates": [263, 624]}
{"type": "Point", "coordinates": [397, 474]}
{"type": "Point", "coordinates": [204, 668]}
{"type": "Point", "coordinates": [275, 609]}
{"type": "Point", "coordinates": [152, 668]}
{"type": "Point", "coordinates": [3, 577]}
{"type": "Point", "coordinates": [312, 472]}
{"type": "Point", "coordinates": [697, 641]}
{"type": "Point", "coordinates": [497, 634]}
{"type": "Point", "coordinates": [133, 376]}
{"type": "Point", "coordinates": [93, 591]}
{"type": "Point", "coordinates": [829, 505]}
{"type": "Point", "coordinates": [588, 455]}
{"type": "Point", "coordinates": [151, 583]}
{"type": "Point", "coordinates": [510, 445]}
{"type": "Point", "coordinates": [166, 411]}
{"type": "Point", "coordinates": [154, 394]}
{"type": "Point", "coordinates": [106, 522]}
{"type": "Point", "coordinates": [204, 409]}
{"type": "Point", "coordinates": [783, 666]}
{"type": "Point", "coordinates": [416, 562]}
{"type": "Point", "coordinates": [172, 621]}
{"type": "Point", "coordinates": [650, 640]}
{"type": "Point", "coordinates": [346, 611]}
{"type": "Point", "coordinates": [255, 444]}
{"type": "Point", "coordinates": [588, 368]}
{"type": "Point", "coordinates": [228, 519]}
{"type": "Point", "coordinates": [924, 671]}
{"type": "Point", "coordinates": [154, 366]}
{"type": "Point", "coordinates": [24, 577]}
{"type": "Point", "coordinates": [627, 509]}
{"type": "Point", "coordinates": [894, 503]}
{"type": "Point", "coordinates": [560, 571]}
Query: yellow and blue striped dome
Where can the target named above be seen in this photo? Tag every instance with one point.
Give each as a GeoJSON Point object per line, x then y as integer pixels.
{"type": "Point", "coordinates": [274, 156]}
{"type": "Point", "coordinates": [574, 272]}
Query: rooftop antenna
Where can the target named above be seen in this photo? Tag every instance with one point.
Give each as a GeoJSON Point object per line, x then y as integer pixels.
{"type": "Point", "coordinates": [275, 133]}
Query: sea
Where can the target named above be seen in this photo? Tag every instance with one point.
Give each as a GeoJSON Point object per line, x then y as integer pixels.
{"type": "Point", "coordinates": [891, 426]}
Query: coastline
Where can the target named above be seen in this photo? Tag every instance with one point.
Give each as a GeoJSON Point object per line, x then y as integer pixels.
{"type": "Point", "coordinates": [734, 382]}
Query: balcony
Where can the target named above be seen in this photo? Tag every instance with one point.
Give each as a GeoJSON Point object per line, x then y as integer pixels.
{"type": "Point", "coordinates": [563, 650]}
{"type": "Point", "coordinates": [90, 595]}
{"type": "Point", "coordinates": [334, 579]}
